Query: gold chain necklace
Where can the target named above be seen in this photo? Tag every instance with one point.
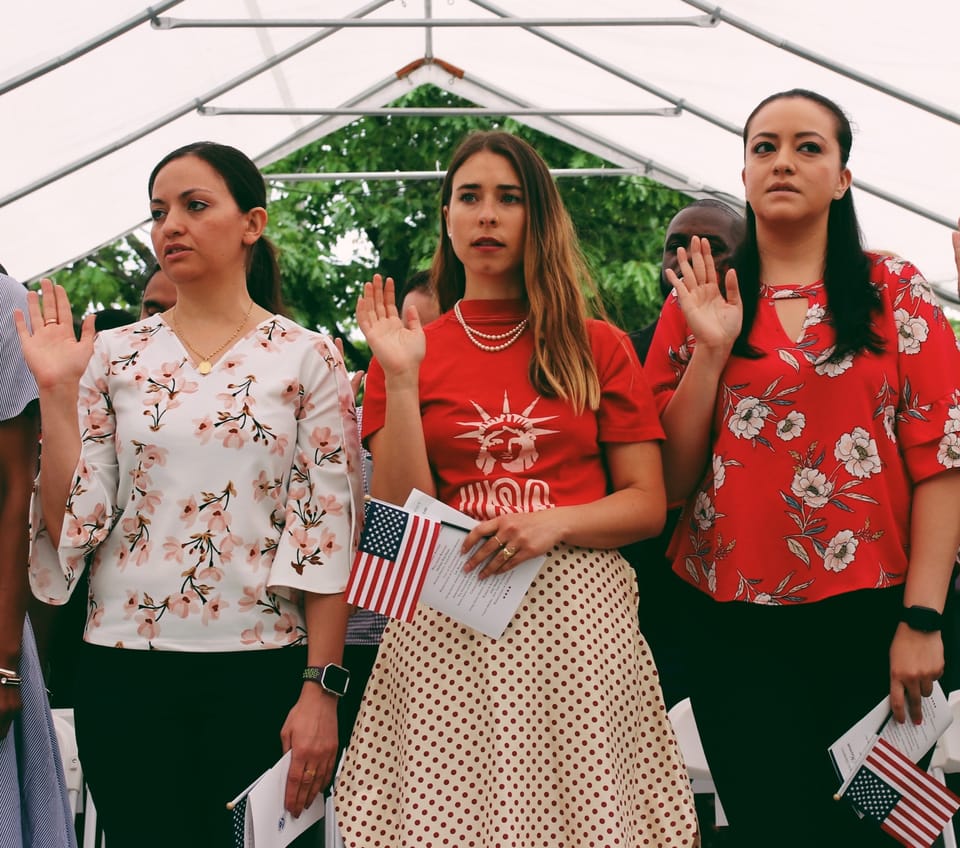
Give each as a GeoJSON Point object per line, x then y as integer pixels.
{"type": "Point", "coordinates": [204, 365]}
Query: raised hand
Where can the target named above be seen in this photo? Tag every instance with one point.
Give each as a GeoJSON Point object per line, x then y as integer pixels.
{"type": "Point", "coordinates": [714, 319]}
{"type": "Point", "coordinates": [49, 344]}
{"type": "Point", "coordinates": [397, 343]}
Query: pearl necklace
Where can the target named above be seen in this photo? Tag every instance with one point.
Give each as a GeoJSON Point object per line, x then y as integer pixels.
{"type": "Point", "coordinates": [205, 366]}
{"type": "Point", "coordinates": [506, 339]}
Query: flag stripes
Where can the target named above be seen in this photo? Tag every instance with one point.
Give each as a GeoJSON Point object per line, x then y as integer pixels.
{"type": "Point", "coordinates": [392, 561]}
{"type": "Point", "coordinates": [911, 805]}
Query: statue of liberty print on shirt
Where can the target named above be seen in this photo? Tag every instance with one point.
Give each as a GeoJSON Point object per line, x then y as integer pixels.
{"type": "Point", "coordinates": [507, 451]}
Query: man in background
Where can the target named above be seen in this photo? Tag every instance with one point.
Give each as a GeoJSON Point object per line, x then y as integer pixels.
{"type": "Point", "coordinates": [724, 228]}
{"type": "Point", "coordinates": [159, 293]}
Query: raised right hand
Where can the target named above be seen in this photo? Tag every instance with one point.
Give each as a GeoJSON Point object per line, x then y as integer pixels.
{"type": "Point", "coordinates": [398, 343]}
{"type": "Point", "coordinates": [714, 319]}
{"type": "Point", "coordinates": [49, 344]}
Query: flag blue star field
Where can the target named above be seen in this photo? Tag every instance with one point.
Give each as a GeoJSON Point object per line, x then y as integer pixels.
{"type": "Point", "coordinates": [239, 815]}
{"type": "Point", "coordinates": [392, 560]}
{"type": "Point", "coordinates": [910, 805]}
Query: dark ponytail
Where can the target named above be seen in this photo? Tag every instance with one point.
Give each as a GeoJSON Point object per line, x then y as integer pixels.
{"type": "Point", "coordinates": [263, 277]}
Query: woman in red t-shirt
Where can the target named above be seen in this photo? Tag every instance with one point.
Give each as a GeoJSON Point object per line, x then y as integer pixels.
{"type": "Point", "coordinates": [812, 412]}
{"type": "Point", "coordinates": [517, 409]}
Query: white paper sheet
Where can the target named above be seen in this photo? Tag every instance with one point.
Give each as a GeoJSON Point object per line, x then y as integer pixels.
{"type": "Point", "coordinates": [914, 740]}
{"type": "Point", "coordinates": [268, 824]}
{"type": "Point", "coordinates": [486, 605]}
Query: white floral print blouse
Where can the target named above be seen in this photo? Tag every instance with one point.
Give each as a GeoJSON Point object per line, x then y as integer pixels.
{"type": "Point", "coordinates": [809, 486]}
{"type": "Point", "coordinates": [206, 505]}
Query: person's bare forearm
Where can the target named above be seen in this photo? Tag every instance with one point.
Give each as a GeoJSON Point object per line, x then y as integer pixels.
{"type": "Point", "coordinates": [18, 453]}
{"type": "Point", "coordinates": [61, 453]}
{"type": "Point", "coordinates": [399, 449]}
{"type": "Point", "coordinates": [688, 423]}
{"type": "Point", "coordinates": [934, 539]}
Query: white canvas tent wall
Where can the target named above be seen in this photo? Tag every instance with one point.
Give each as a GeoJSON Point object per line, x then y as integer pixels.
{"type": "Point", "coordinates": [93, 94]}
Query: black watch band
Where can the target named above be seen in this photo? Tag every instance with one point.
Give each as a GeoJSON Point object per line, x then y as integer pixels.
{"type": "Point", "coordinates": [924, 619]}
{"type": "Point", "coordinates": [333, 678]}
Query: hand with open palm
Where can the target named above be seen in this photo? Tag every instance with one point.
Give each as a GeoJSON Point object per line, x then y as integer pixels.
{"type": "Point", "coordinates": [50, 347]}
{"type": "Point", "coordinates": [714, 315]}
{"type": "Point", "coordinates": [397, 342]}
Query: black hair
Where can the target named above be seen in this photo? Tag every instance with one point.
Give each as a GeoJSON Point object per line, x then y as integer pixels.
{"type": "Point", "coordinates": [852, 300]}
{"type": "Point", "coordinates": [419, 281]}
{"type": "Point", "coordinates": [713, 203]}
{"type": "Point", "coordinates": [107, 319]}
{"type": "Point", "coordinates": [245, 183]}
{"type": "Point", "coordinates": [148, 276]}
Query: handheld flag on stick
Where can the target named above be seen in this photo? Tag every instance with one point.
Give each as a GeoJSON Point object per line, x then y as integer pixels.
{"type": "Point", "coordinates": [910, 805]}
{"type": "Point", "coordinates": [392, 560]}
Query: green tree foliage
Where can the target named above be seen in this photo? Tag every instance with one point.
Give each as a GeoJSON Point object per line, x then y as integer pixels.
{"type": "Point", "coordinates": [111, 276]}
{"type": "Point", "coordinates": [621, 220]}
{"type": "Point", "coordinates": [391, 226]}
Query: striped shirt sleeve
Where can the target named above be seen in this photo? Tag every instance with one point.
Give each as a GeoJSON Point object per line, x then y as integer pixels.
{"type": "Point", "coordinates": [17, 387]}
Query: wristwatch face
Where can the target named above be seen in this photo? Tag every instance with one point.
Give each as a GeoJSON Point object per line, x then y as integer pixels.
{"type": "Point", "coordinates": [336, 679]}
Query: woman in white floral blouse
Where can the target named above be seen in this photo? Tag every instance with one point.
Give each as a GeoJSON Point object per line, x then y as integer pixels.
{"type": "Point", "coordinates": [811, 402]}
{"type": "Point", "coordinates": [212, 487]}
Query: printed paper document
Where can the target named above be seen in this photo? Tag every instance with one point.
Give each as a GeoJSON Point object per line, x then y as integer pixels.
{"type": "Point", "coordinates": [914, 740]}
{"type": "Point", "coordinates": [486, 605]}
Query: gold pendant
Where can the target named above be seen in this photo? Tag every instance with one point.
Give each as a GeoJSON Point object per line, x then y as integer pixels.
{"type": "Point", "coordinates": [204, 367]}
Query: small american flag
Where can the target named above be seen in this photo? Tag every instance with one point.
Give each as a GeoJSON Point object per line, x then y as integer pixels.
{"type": "Point", "coordinates": [392, 560]}
{"type": "Point", "coordinates": [911, 805]}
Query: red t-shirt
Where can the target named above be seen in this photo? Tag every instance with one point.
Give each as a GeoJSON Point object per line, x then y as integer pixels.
{"type": "Point", "coordinates": [808, 491]}
{"type": "Point", "coordinates": [494, 444]}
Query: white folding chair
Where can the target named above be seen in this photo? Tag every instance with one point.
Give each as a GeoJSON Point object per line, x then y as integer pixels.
{"type": "Point", "coordinates": [67, 742]}
{"type": "Point", "coordinates": [688, 737]}
{"type": "Point", "coordinates": [946, 759]}
{"type": "Point", "coordinates": [80, 799]}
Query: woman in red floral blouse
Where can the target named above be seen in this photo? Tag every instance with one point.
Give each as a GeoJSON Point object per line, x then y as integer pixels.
{"type": "Point", "coordinates": [811, 402]}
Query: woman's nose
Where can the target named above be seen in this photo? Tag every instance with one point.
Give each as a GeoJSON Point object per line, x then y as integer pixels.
{"type": "Point", "coordinates": [783, 163]}
{"type": "Point", "coordinates": [488, 215]}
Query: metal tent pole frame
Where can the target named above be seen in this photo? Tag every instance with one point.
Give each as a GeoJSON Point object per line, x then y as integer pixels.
{"type": "Point", "coordinates": [406, 23]}
{"type": "Point", "coordinates": [824, 62]}
{"type": "Point", "coordinates": [432, 112]}
{"type": "Point", "coordinates": [882, 194]}
{"type": "Point", "coordinates": [179, 112]}
{"type": "Point", "coordinates": [148, 14]}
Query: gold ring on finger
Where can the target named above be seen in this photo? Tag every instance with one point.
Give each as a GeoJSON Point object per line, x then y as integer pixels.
{"type": "Point", "coordinates": [497, 540]}
{"type": "Point", "coordinates": [508, 551]}
{"type": "Point", "coordinates": [49, 321]}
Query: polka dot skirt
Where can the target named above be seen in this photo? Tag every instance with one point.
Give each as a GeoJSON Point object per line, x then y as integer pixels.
{"type": "Point", "coordinates": [555, 734]}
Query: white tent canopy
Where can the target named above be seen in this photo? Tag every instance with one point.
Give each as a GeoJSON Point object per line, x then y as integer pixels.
{"type": "Point", "coordinates": [93, 94]}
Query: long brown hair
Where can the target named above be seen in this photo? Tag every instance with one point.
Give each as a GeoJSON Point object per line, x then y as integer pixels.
{"type": "Point", "coordinates": [557, 283]}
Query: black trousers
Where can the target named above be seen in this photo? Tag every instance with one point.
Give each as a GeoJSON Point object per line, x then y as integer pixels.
{"type": "Point", "coordinates": [167, 738]}
{"type": "Point", "coordinates": [772, 688]}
